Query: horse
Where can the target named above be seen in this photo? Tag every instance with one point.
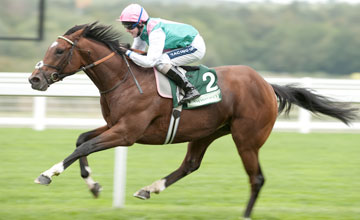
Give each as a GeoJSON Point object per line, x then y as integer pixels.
{"type": "Point", "coordinates": [248, 109]}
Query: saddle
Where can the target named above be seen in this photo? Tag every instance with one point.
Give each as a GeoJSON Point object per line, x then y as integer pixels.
{"type": "Point", "coordinates": [203, 78]}
{"type": "Point", "coordinates": [205, 81]}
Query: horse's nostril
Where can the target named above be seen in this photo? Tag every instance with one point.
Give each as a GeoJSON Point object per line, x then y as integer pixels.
{"type": "Point", "coordinates": [34, 79]}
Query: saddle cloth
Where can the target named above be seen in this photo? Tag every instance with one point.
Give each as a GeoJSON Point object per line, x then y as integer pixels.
{"type": "Point", "coordinates": [203, 78]}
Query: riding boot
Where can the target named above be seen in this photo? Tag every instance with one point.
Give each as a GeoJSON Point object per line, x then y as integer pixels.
{"type": "Point", "coordinates": [181, 80]}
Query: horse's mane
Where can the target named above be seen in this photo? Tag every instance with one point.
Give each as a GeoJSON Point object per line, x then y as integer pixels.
{"type": "Point", "coordinates": [101, 33]}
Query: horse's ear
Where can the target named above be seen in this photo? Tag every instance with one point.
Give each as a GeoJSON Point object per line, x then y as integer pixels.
{"type": "Point", "coordinates": [79, 33]}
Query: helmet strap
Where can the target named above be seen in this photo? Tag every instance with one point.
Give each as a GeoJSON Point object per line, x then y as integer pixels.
{"type": "Point", "coordinates": [139, 19]}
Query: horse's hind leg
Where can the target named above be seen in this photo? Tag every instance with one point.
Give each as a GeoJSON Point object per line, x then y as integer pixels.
{"type": "Point", "coordinates": [191, 162]}
{"type": "Point", "coordinates": [248, 149]}
{"type": "Point", "coordinates": [85, 170]}
{"type": "Point", "coordinates": [257, 179]}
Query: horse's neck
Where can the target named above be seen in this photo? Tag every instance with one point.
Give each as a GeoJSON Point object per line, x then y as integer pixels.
{"type": "Point", "coordinates": [106, 74]}
{"type": "Point", "coordinates": [115, 72]}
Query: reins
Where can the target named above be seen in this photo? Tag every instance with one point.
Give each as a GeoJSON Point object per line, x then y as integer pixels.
{"type": "Point", "coordinates": [129, 70]}
{"type": "Point", "coordinates": [117, 84]}
{"type": "Point", "coordinates": [124, 79]}
{"type": "Point", "coordinates": [95, 63]}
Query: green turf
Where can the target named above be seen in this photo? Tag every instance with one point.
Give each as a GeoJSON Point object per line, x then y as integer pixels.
{"type": "Point", "coordinates": [308, 176]}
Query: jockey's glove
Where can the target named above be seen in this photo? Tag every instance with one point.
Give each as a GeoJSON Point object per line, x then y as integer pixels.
{"type": "Point", "coordinates": [125, 50]}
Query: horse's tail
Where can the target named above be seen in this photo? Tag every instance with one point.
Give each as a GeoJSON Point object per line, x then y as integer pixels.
{"type": "Point", "coordinates": [305, 98]}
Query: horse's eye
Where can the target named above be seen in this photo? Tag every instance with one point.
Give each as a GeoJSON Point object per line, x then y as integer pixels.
{"type": "Point", "coordinates": [59, 51]}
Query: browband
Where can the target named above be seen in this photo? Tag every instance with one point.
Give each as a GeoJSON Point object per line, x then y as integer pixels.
{"type": "Point", "coordinates": [64, 38]}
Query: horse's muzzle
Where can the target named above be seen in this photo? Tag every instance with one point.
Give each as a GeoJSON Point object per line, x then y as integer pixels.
{"type": "Point", "coordinates": [38, 83]}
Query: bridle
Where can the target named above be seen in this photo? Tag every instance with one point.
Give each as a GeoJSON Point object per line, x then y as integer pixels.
{"type": "Point", "coordinates": [59, 75]}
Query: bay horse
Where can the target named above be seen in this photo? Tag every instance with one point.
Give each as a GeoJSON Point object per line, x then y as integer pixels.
{"type": "Point", "coordinates": [247, 111]}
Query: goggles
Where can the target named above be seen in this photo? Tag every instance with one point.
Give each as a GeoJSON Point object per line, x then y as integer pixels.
{"type": "Point", "coordinates": [129, 25]}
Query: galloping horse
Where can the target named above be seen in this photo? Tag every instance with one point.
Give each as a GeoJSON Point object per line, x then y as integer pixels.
{"type": "Point", "coordinates": [247, 111]}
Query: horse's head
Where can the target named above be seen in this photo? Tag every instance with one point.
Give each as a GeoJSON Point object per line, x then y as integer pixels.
{"type": "Point", "coordinates": [61, 60]}
{"type": "Point", "coordinates": [66, 55]}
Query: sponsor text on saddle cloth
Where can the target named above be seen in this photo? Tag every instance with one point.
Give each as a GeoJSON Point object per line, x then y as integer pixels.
{"type": "Point", "coordinates": [202, 77]}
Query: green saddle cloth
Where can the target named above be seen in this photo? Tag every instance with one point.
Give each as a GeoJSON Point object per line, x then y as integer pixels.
{"type": "Point", "coordinates": [205, 81]}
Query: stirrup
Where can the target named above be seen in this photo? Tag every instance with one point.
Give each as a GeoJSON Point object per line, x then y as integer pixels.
{"type": "Point", "coordinates": [190, 95]}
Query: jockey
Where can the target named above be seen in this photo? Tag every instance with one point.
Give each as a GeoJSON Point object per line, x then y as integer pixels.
{"type": "Point", "coordinates": [170, 44]}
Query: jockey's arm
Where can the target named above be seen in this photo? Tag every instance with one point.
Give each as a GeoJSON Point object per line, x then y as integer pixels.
{"type": "Point", "coordinates": [156, 47]}
{"type": "Point", "coordinates": [138, 44]}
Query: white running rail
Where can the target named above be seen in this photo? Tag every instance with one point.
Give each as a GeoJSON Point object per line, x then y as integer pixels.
{"type": "Point", "coordinates": [16, 84]}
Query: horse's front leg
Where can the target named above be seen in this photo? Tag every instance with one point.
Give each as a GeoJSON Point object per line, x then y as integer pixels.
{"type": "Point", "coordinates": [85, 170]}
{"type": "Point", "coordinates": [112, 137]}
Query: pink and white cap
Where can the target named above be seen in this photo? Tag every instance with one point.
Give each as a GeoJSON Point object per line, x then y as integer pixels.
{"type": "Point", "coordinates": [134, 13]}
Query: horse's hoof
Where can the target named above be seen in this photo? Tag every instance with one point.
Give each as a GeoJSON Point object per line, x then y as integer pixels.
{"type": "Point", "coordinates": [43, 180]}
{"type": "Point", "coordinates": [142, 194]}
{"type": "Point", "coordinates": [96, 190]}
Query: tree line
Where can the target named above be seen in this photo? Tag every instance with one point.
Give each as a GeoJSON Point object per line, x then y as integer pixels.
{"type": "Point", "coordinates": [294, 38]}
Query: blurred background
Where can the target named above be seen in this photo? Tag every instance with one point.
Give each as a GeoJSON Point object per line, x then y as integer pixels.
{"type": "Point", "coordinates": [296, 40]}
{"type": "Point", "coordinates": [312, 38]}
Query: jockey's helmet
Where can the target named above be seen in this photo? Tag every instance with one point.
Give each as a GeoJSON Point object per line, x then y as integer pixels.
{"type": "Point", "coordinates": [134, 14]}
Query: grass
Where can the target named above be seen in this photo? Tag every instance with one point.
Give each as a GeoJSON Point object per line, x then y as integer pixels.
{"type": "Point", "coordinates": [308, 176]}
